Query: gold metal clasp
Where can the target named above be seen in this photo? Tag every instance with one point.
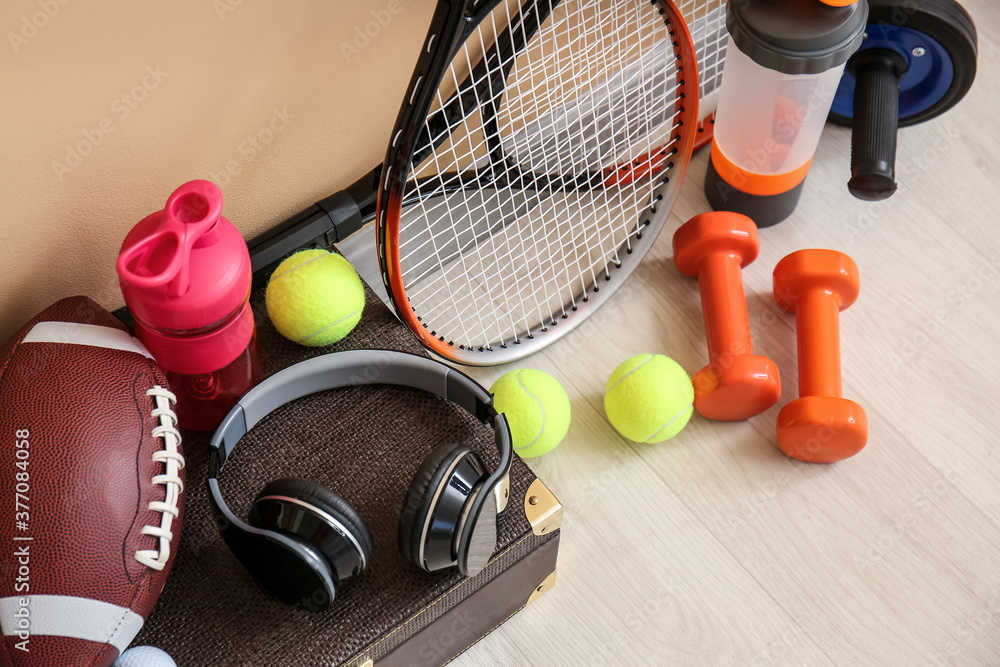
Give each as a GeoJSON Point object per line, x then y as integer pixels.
{"type": "Point", "coordinates": [543, 509]}
{"type": "Point", "coordinates": [546, 584]}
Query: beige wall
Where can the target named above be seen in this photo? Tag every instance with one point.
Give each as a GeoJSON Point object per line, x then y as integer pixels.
{"type": "Point", "coordinates": [168, 92]}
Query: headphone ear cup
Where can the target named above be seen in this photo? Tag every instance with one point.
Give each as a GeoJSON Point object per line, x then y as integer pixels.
{"type": "Point", "coordinates": [317, 504]}
{"type": "Point", "coordinates": [425, 490]}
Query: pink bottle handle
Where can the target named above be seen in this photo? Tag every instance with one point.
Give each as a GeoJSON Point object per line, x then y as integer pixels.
{"type": "Point", "coordinates": [191, 212]}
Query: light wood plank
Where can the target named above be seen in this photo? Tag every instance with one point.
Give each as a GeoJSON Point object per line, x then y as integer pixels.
{"type": "Point", "coordinates": [714, 548]}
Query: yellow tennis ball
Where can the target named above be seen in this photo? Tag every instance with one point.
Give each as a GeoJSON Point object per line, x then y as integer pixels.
{"type": "Point", "coordinates": [537, 410]}
{"type": "Point", "coordinates": [315, 298]}
{"type": "Point", "coordinates": [649, 398]}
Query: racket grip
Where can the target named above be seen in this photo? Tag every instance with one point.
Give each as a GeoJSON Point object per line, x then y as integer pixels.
{"type": "Point", "coordinates": [876, 119]}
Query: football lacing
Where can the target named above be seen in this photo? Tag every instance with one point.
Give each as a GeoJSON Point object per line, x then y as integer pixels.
{"type": "Point", "coordinates": [173, 462]}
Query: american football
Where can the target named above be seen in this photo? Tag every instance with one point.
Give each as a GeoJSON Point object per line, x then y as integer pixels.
{"type": "Point", "coordinates": [91, 481]}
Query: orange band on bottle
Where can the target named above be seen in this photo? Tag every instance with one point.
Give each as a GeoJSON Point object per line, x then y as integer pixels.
{"type": "Point", "coordinates": [753, 183]}
{"type": "Point", "coordinates": [839, 3]}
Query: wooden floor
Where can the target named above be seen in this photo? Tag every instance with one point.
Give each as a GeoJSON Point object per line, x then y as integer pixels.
{"type": "Point", "coordinates": [714, 548]}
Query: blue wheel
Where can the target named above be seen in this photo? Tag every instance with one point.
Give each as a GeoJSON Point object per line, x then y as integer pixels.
{"type": "Point", "coordinates": [937, 41]}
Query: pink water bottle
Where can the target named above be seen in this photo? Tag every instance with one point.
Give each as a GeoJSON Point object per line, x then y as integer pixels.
{"type": "Point", "coordinates": [185, 275]}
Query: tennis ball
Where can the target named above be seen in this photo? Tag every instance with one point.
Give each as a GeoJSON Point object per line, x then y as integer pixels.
{"type": "Point", "coordinates": [649, 398]}
{"type": "Point", "coordinates": [537, 410]}
{"type": "Point", "coordinates": [315, 298]}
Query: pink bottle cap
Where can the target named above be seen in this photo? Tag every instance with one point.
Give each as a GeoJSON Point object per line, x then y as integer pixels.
{"type": "Point", "coordinates": [184, 271]}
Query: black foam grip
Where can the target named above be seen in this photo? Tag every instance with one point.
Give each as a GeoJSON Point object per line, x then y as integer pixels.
{"type": "Point", "coordinates": [876, 119]}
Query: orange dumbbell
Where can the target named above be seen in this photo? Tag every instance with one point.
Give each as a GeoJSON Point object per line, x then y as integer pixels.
{"type": "Point", "coordinates": [736, 384]}
{"type": "Point", "coordinates": [819, 426]}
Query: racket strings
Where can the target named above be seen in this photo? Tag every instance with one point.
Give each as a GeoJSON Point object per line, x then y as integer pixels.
{"type": "Point", "coordinates": [461, 310]}
{"type": "Point", "coordinates": [515, 109]}
{"type": "Point", "coordinates": [707, 22]}
{"type": "Point", "coordinates": [644, 110]}
{"type": "Point", "coordinates": [606, 22]}
{"type": "Point", "coordinates": [593, 90]}
{"type": "Point", "coordinates": [580, 162]}
{"type": "Point", "coordinates": [469, 310]}
{"type": "Point", "coordinates": [573, 165]}
{"type": "Point", "coordinates": [544, 278]}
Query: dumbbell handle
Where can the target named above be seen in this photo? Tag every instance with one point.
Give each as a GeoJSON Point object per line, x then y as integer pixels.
{"type": "Point", "coordinates": [727, 326]}
{"type": "Point", "coordinates": [876, 119]}
{"type": "Point", "coordinates": [817, 323]}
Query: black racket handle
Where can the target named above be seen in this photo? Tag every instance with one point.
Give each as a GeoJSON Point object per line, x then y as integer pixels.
{"type": "Point", "coordinates": [876, 119]}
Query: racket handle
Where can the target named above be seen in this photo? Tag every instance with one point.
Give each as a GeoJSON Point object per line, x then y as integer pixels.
{"type": "Point", "coordinates": [876, 119]}
{"type": "Point", "coordinates": [326, 222]}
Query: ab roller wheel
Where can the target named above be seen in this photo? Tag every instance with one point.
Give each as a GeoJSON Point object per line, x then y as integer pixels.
{"type": "Point", "coordinates": [918, 59]}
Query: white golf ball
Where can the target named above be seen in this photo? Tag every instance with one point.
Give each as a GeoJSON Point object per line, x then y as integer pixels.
{"type": "Point", "coordinates": [145, 656]}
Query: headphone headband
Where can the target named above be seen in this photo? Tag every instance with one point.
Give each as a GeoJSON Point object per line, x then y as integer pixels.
{"type": "Point", "coordinates": [350, 368]}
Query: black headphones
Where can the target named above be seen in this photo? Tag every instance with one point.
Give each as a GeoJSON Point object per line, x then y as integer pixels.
{"type": "Point", "coordinates": [301, 538]}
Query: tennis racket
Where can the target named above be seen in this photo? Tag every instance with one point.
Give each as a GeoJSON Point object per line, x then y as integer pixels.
{"type": "Point", "coordinates": [536, 155]}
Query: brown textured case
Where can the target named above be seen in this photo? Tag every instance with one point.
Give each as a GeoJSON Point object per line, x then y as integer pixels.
{"type": "Point", "coordinates": [365, 443]}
